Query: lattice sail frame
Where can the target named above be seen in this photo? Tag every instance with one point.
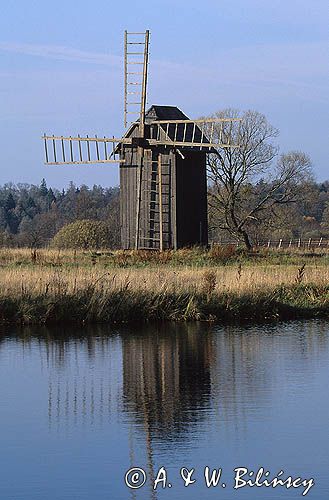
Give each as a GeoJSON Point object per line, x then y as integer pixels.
{"type": "Point", "coordinates": [136, 55]}
{"type": "Point", "coordinates": [60, 150]}
{"type": "Point", "coordinates": [205, 134]}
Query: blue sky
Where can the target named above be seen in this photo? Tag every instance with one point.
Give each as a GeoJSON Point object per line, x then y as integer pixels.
{"type": "Point", "coordinates": [61, 72]}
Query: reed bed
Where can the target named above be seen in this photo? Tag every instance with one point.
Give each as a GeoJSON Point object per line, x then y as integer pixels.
{"type": "Point", "coordinates": [237, 279]}
{"type": "Point", "coordinates": [52, 287]}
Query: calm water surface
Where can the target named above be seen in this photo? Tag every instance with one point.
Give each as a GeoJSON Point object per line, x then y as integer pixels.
{"type": "Point", "coordinates": [78, 408]}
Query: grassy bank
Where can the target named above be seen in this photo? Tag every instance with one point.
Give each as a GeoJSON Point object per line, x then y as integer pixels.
{"type": "Point", "coordinates": [52, 287]}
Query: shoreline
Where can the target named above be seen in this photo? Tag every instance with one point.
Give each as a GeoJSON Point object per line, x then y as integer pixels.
{"type": "Point", "coordinates": [125, 306]}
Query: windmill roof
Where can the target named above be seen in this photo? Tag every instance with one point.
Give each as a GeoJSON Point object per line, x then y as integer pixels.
{"type": "Point", "coordinates": [181, 133]}
{"type": "Point", "coordinates": [165, 113]}
{"type": "Point", "coordinates": [156, 112]}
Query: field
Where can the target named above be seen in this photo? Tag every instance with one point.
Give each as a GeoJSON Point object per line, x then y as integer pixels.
{"type": "Point", "coordinates": [223, 284]}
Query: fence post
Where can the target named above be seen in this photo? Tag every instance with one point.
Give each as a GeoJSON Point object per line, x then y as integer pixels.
{"type": "Point", "coordinates": [299, 243]}
{"type": "Point", "coordinates": [290, 244]}
{"type": "Point", "coordinates": [309, 243]}
{"type": "Point", "coordinates": [320, 242]}
{"type": "Point", "coordinates": [280, 242]}
{"type": "Point", "coordinates": [268, 243]}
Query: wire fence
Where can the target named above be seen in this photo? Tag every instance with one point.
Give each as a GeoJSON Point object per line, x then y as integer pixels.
{"type": "Point", "coordinates": [309, 243]}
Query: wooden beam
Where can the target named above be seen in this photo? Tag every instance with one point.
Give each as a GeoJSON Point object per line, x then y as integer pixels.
{"type": "Point", "coordinates": [124, 140]}
{"type": "Point", "coordinates": [199, 120]}
{"type": "Point", "coordinates": [160, 201]}
{"type": "Point", "coordinates": [139, 194]}
{"type": "Point", "coordinates": [82, 162]}
{"type": "Point", "coordinates": [144, 85]}
{"type": "Point", "coordinates": [206, 145]}
{"type": "Point", "coordinates": [125, 80]}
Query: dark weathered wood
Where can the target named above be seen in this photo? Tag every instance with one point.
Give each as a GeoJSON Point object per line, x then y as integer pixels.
{"type": "Point", "coordinates": [171, 196]}
{"type": "Point", "coordinates": [139, 194]}
{"type": "Point", "coordinates": [46, 148]}
{"type": "Point", "coordinates": [173, 201]}
{"type": "Point", "coordinates": [191, 199]}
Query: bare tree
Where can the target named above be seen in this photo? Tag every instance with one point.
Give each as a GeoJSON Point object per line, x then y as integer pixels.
{"type": "Point", "coordinates": [244, 184]}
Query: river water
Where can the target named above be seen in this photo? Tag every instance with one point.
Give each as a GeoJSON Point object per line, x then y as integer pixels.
{"type": "Point", "coordinates": [81, 407]}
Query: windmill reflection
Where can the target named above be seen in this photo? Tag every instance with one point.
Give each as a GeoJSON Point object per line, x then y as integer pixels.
{"type": "Point", "coordinates": [166, 377]}
{"type": "Point", "coordinates": [78, 393]}
{"type": "Point", "coordinates": [165, 384]}
{"type": "Point", "coordinates": [163, 390]}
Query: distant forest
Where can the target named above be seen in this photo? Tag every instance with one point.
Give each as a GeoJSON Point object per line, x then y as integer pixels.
{"type": "Point", "coordinates": [31, 215]}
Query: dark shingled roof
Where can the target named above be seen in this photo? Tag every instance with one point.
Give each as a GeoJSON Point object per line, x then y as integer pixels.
{"type": "Point", "coordinates": [165, 113]}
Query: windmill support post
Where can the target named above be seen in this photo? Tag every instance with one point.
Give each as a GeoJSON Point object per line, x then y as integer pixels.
{"type": "Point", "coordinates": [160, 201]}
{"type": "Point", "coordinates": [139, 194]}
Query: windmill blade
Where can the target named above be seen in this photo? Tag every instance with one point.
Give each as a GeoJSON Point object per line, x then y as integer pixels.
{"type": "Point", "coordinates": [204, 133]}
{"type": "Point", "coordinates": [136, 54]}
{"type": "Point", "coordinates": [60, 150]}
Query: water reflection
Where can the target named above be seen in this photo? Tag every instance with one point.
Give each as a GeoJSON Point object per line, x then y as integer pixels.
{"type": "Point", "coordinates": [166, 378]}
{"type": "Point", "coordinates": [161, 389]}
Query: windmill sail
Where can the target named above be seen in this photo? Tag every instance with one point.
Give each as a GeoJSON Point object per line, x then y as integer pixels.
{"type": "Point", "coordinates": [205, 133]}
{"type": "Point", "coordinates": [136, 51]}
{"type": "Point", "coordinates": [60, 150]}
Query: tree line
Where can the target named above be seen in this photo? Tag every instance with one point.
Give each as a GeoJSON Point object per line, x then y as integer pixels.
{"type": "Point", "coordinates": [31, 215]}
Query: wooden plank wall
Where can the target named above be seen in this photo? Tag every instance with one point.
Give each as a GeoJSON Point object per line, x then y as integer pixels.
{"type": "Point", "coordinates": [184, 199]}
{"type": "Point", "coordinates": [191, 199]}
{"type": "Point", "coordinates": [128, 190]}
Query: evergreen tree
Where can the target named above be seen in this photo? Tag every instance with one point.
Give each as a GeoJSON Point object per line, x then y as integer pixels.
{"type": "Point", "coordinates": [10, 203]}
{"type": "Point", "coordinates": [43, 188]}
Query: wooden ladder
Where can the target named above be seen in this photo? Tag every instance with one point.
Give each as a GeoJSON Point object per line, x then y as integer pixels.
{"type": "Point", "coordinates": [157, 187]}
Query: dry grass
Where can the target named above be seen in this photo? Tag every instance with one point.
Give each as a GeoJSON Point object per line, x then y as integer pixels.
{"type": "Point", "coordinates": [50, 286]}
{"type": "Point", "coordinates": [239, 279]}
{"type": "Point", "coordinates": [196, 257]}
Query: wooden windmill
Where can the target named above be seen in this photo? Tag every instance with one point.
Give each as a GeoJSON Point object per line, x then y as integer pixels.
{"type": "Point", "coordinates": [162, 158]}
